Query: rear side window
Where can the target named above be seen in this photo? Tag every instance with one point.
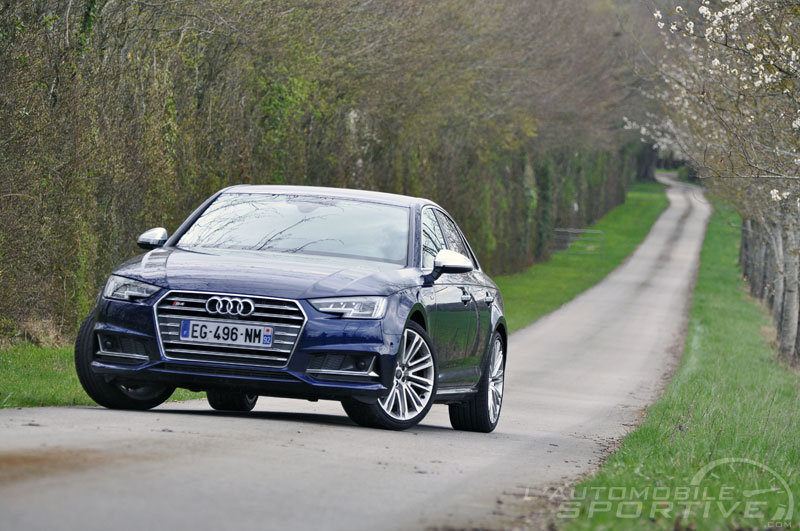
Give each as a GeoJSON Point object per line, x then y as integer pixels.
{"type": "Point", "coordinates": [432, 238]}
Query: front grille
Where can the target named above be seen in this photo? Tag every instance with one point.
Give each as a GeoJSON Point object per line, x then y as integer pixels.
{"type": "Point", "coordinates": [284, 316]}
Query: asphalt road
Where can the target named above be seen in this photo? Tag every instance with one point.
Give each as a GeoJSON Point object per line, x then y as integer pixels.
{"type": "Point", "coordinates": [576, 381]}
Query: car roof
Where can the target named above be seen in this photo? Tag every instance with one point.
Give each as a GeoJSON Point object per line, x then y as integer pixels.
{"type": "Point", "coordinates": [344, 193]}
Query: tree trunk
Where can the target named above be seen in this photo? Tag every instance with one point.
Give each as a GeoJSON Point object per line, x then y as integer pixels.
{"type": "Point", "coordinates": [744, 248]}
{"type": "Point", "coordinates": [780, 293]}
{"type": "Point", "coordinates": [765, 269]}
{"type": "Point", "coordinates": [770, 275]}
{"type": "Point", "coordinates": [779, 287]}
{"type": "Point", "coordinates": [753, 244]}
{"type": "Point", "coordinates": [646, 163]}
{"type": "Point", "coordinates": [791, 262]}
{"type": "Point", "coordinates": [758, 259]}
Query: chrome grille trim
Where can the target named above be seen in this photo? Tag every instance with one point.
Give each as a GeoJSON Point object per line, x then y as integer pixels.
{"type": "Point", "coordinates": [286, 318]}
{"type": "Point", "coordinates": [220, 354]}
{"type": "Point", "coordinates": [254, 323]}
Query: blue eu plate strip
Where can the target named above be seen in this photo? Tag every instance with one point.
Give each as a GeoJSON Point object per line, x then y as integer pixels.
{"type": "Point", "coordinates": [185, 328]}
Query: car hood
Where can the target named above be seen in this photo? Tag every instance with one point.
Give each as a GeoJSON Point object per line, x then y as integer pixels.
{"type": "Point", "coordinates": [264, 273]}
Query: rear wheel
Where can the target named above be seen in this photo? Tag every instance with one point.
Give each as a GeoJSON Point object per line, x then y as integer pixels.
{"type": "Point", "coordinates": [413, 387]}
{"type": "Point", "coordinates": [231, 400]}
{"type": "Point", "coordinates": [482, 412]}
{"type": "Point", "coordinates": [106, 391]}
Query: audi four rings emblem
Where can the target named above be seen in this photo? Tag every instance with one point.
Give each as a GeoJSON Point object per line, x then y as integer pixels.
{"type": "Point", "coordinates": [230, 306]}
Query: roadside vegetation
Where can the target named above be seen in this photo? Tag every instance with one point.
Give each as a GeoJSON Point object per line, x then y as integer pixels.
{"type": "Point", "coordinates": [544, 287]}
{"type": "Point", "coordinates": [116, 117]}
{"type": "Point", "coordinates": [32, 375]}
{"type": "Point", "coordinates": [732, 397]}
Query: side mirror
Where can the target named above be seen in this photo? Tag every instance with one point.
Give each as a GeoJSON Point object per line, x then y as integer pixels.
{"type": "Point", "coordinates": [447, 261]}
{"type": "Point", "coordinates": [153, 238]}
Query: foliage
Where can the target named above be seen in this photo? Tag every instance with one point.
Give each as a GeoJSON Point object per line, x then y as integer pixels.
{"type": "Point", "coordinates": [119, 116]}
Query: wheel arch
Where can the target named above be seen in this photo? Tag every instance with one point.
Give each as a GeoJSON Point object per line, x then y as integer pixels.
{"type": "Point", "coordinates": [417, 315]}
{"type": "Point", "coordinates": [501, 327]}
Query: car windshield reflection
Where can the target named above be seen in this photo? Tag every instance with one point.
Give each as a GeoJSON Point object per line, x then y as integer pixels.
{"type": "Point", "coordinates": [303, 225]}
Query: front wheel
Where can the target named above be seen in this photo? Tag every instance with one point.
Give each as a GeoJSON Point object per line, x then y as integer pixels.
{"type": "Point", "coordinates": [109, 393]}
{"type": "Point", "coordinates": [231, 400]}
{"type": "Point", "coordinates": [413, 387]}
{"type": "Point", "coordinates": [482, 412]}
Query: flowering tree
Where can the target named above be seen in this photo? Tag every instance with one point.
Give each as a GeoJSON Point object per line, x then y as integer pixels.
{"type": "Point", "coordinates": [731, 95]}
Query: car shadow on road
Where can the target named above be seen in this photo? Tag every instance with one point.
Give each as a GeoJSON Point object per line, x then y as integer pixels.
{"type": "Point", "coordinates": [288, 416]}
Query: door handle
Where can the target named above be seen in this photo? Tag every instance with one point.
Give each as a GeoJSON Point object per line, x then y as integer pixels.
{"type": "Point", "coordinates": [488, 299]}
{"type": "Point", "coordinates": [466, 297]}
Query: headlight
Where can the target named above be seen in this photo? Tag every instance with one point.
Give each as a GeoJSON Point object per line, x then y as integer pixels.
{"type": "Point", "coordinates": [353, 307]}
{"type": "Point", "coordinates": [126, 289]}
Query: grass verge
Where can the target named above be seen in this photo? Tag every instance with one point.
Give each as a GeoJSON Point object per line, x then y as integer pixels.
{"type": "Point", "coordinates": [546, 286]}
{"type": "Point", "coordinates": [33, 376]}
{"type": "Point", "coordinates": [39, 376]}
{"type": "Point", "coordinates": [732, 407]}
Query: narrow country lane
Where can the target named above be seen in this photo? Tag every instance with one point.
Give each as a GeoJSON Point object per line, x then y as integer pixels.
{"type": "Point", "coordinates": [576, 379]}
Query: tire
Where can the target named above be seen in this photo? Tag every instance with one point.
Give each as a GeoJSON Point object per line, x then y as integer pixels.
{"type": "Point", "coordinates": [482, 412]}
{"type": "Point", "coordinates": [105, 391]}
{"type": "Point", "coordinates": [413, 387]}
{"type": "Point", "coordinates": [231, 400]}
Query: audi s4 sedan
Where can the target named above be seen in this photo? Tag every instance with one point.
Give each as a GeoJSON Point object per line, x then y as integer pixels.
{"type": "Point", "coordinates": [375, 300]}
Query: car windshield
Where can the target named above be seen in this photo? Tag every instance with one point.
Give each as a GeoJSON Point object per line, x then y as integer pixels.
{"type": "Point", "coordinates": [304, 225]}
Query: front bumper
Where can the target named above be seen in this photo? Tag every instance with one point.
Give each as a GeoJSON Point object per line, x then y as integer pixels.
{"type": "Point", "coordinates": [334, 358]}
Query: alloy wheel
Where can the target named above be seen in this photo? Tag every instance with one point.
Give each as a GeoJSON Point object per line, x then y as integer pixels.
{"type": "Point", "coordinates": [413, 379]}
{"type": "Point", "coordinates": [496, 380]}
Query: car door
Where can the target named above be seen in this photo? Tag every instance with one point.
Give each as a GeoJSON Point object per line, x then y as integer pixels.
{"type": "Point", "coordinates": [462, 315]}
{"type": "Point", "coordinates": [484, 292]}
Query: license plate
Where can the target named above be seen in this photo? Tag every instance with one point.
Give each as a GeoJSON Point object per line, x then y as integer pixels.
{"type": "Point", "coordinates": [226, 333]}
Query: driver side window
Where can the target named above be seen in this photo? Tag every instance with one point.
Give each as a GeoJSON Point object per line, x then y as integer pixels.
{"type": "Point", "coordinates": [432, 238]}
{"type": "Point", "coordinates": [455, 241]}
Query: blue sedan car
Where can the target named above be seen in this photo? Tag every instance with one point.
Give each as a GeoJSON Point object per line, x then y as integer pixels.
{"type": "Point", "coordinates": [375, 300]}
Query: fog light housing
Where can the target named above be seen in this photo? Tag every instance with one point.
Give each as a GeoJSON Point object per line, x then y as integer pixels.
{"type": "Point", "coordinates": [344, 366]}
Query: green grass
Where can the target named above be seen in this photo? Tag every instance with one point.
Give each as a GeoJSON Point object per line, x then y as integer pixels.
{"type": "Point", "coordinates": [730, 398]}
{"type": "Point", "coordinates": [546, 286]}
{"type": "Point", "coordinates": [39, 376]}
